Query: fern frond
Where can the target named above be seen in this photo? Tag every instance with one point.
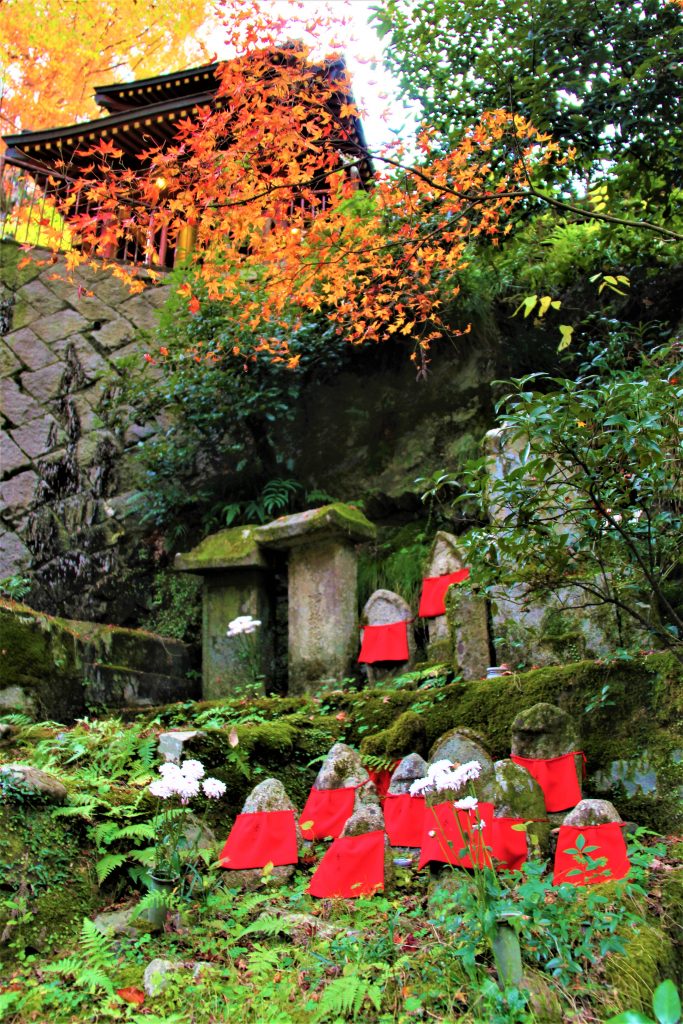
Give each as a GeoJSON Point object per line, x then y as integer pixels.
{"type": "Point", "coordinates": [264, 925]}
{"type": "Point", "coordinates": [108, 864]}
{"type": "Point", "coordinates": [96, 946]}
{"type": "Point", "coordinates": [140, 830]}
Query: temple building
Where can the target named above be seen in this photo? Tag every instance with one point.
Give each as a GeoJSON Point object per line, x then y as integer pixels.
{"type": "Point", "coordinates": [37, 168]}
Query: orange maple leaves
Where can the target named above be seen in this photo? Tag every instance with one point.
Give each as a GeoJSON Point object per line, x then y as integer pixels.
{"type": "Point", "coordinates": [284, 198]}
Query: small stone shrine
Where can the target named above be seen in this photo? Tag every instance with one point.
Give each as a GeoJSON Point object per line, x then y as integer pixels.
{"type": "Point", "coordinates": [383, 608]}
{"type": "Point", "coordinates": [462, 634]}
{"type": "Point", "coordinates": [316, 551]}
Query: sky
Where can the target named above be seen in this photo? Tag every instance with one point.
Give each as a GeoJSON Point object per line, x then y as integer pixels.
{"type": "Point", "coordinates": [382, 113]}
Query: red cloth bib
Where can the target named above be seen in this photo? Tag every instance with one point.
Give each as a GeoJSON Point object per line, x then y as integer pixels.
{"type": "Point", "coordinates": [557, 778]}
{"type": "Point", "coordinates": [508, 845]}
{"type": "Point", "coordinates": [404, 818]}
{"type": "Point", "coordinates": [384, 643]}
{"type": "Point", "coordinates": [443, 838]}
{"type": "Point", "coordinates": [352, 867]}
{"type": "Point", "coordinates": [382, 780]}
{"type": "Point", "coordinates": [601, 841]}
{"type": "Point", "coordinates": [432, 600]}
{"type": "Point", "coordinates": [326, 812]}
{"type": "Point", "coordinates": [267, 837]}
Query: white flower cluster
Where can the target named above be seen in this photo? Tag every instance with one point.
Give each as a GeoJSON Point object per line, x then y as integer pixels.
{"type": "Point", "coordinates": [242, 626]}
{"type": "Point", "coordinates": [185, 781]}
{"type": "Point", "coordinates": [444, 775]}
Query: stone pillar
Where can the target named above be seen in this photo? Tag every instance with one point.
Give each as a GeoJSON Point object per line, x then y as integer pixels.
{"type": "Point", "coordinates": [468, 631]}
{"type": "Point", "coordinates": [322, 589]}
{"type": "Point", "coordinates": [382, 608]}
{"type": "Point", "coordinates": [235, 572]}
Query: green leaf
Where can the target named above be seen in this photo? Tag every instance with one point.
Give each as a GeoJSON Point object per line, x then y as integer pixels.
{"type": "Point", "coordinates": [630, 1017]}
{"type": "Point", "coordinates": [666, 1003]}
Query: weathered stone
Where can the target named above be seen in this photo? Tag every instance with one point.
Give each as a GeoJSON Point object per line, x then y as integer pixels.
{"type": "Point", "coordinates": [31, 782]}
{"type": "Point", "coordinates": [269, 795]}
{"type": "Point", "coordinates": [36, 294]}
{"type": "Point", "coordinates": [543, 731]}
{"type": "Point", "coordinates": [19, 491]}
{"type": "Point", "coordinates": [16, 698]}
{"type": "Point", "coordinates": [408, 770]}
{"type": "Point", "coordinates": [115, 333]}
{"type": "Point", "coordinates": [60, 325]}
{"type": "Point", "coordinates": [459, 746]}
{"type": "Point", "coordinates": [228, 549]}
{"type": "Point", "coordinates": [171, 745]}
{"type": "Point", "coordinates": [6, 731]}
{"type": "Point", "coordinates": [45, 384]}
{"type": "Point", "coordinates": [15, 405]}
{"type": "Point", "coordinates": [368, 818]}
{"type": "Point", "coordinates": [341, 768]}
{"type": "Point", "coordinates": [336, 520]}
{"type": "Point", "coordinates": [592, 812]}
{"type": "Point", "coordinates": [9, 364]}
{"type": "Point", "coordinates": [383, 607]}
{"type": "Point", "coordinates": [120, 922]}
{"type": "Point", "coordinates": [515, 794]}
{"type": "Point", "coordinates": [11, 456]}
{"type": "Point", "coordinates": [37, 436]}
{"type": "Point", "coordinates": [79, 350]}
{"type": "Point", "coordinates": [503, 456]}
{"type": "Point", "coordinates": [155, 979]}
{"type": "Point", "coordinates": [140, 312]}
{"type": "Point", "coordinates": [14, 555]}
{"type": "Point", "coordinates": [33, 353]}
{"type": "Point", "coordinates": [468, 632]}
{"type": "Point", "coordinates": [445, 557]}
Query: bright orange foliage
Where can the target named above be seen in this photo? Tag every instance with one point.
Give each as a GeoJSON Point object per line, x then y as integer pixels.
{"type": "Point", "coordinates": [251, 174]}
{"type": "Point", "coordinates": [53, 53]}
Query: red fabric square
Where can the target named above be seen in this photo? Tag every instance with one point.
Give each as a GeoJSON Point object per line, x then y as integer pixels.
{"type": "Point", "coordinates": [509, 845]}
{"type": "Point", "coordinates": [327, 811]}
{"type": "Point", "coordinates": [433, 597]}
{"type": "Point", "coordinates": [447, 831]}
{"type": "Point", "coordinates": [352, 867]}
{"type": "Point", "coordinates": [601, 841]}
{"type": "Point", "coordinates": [382, 780]}
{"type": "Point", "coordinates": [267, 837]}
{"type": "Point", "coordinates": [384, 643]}
{"type": "Point", "coordinates": [404, 819]}
{"type": "Point", "coordinates": [557, 778]}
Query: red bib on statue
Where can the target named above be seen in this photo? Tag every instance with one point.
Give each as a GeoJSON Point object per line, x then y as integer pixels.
{"type": "Point", "coordinates": [384, 643]}
{"type": "Point", "coordinates": [352, 867]}
{"type": "Point", "coordinates": [267, 837]}
{"type": "Point", "coordinates": [433, 597]}
{"type": "Point", "coordinates": [508, 845]}
{"type": "Point", "coordinates": [326, 812]}
{"type": "Point", "coordinates": [600, 856]}
{"type": "Point", "coordinates": [404, 819]}
{"type": "Point", "coordinates": [557, 778]}
{"type": "Point", "coordinates": [381, 778]}
{"type": "Point", "coordinates": [455, 837]}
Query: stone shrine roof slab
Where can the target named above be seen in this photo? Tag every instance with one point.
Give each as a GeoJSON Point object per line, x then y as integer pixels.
{"type": "Point", "coordinates": [235, 548]}
{"type": "Point", "coordinates": [314, 525]}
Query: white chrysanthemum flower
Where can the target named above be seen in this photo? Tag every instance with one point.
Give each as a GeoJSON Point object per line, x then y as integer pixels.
{"type": "Point", "coordinates": [418, 787]}
{"type": "Point", "coordinates": [466, 772]}
{"type": "Point", "coordinates": [468, 803]}
{"type": "Point", "coordinates": [192, 769]}
{"type": "Point", "coordinates": [214, 788]}
{"type": "Point", "coordinates": [169, 770]}
{"type": "Point", "coordinates": [187, 789]}
{"type": "Point", "coordinates": [479, 826]}
{"type": "Point", "coordinates": [161, 788]}
{"type": "Point", "coordinates": [243, 624]}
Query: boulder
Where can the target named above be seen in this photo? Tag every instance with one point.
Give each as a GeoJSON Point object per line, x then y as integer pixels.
{"type": "Point", "coordinates": [156, 977]}
{"type": "Point", "coordinates": [371, 819]}
{"type": "Point", "coordinates": [592, 812]}
{"type": "Point", "coordinates": [21, 780]}
{"type": "Point", "coordinates": [515, 794]}
{"type": "Point", "coordinates": [459, 746]}
{"type": "Point", "coordinates": [408, 770]}
{"type": "Point", "coordinates": [543, 730]}
{"type": "Point", "coordinates": [341, 768]}
{"type": "Point", "coordinates": [269, 795]}
{"type": "Point", "coordinates": [382, 608]}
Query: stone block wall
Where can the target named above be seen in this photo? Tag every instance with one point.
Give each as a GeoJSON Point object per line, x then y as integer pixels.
{"type": "Point", "coordinates": [65, 481]}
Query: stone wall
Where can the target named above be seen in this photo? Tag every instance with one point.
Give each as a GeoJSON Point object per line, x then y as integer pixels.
{"type": "Point", "coordinates": [65, 480]}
